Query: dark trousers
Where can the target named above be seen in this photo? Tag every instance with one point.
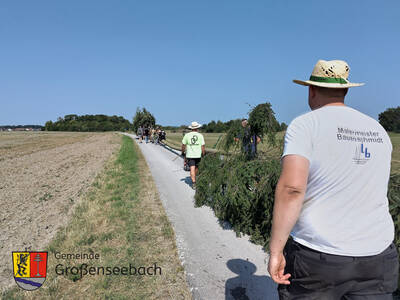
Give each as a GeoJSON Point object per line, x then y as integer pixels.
{"type": "Point", "coordinates": [317, 275]}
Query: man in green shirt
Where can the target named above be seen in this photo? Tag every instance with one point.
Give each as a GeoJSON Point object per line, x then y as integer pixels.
{"type": "Point", "coordinates": [194, 146]}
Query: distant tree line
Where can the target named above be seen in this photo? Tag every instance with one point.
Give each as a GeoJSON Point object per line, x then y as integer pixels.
{"type": "Point", "coordinates": [89, 123]}
{"type": "Point", "coordinates": [225, 126]}
{"type": "Point", "coordinates": [219, 126]}
{"type": "Point", "coordinates": [174, 128]}
{"type": "Point", "coordinates": [390, 119]}
{"type": "Point", "coordinates": [35, 127]}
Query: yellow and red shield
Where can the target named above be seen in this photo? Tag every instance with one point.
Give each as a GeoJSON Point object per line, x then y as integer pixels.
{"type": "Point", "coordinates": [30, 269]}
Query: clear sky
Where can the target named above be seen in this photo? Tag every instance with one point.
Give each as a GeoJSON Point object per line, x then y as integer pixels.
{"type": "Point", "coordinates": [189, 60]}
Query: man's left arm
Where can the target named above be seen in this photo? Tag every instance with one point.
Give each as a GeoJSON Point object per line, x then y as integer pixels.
{"type": "Point", "coordinates": [289, 197]}
{"type": "Point", "coordinates": [183, 148]}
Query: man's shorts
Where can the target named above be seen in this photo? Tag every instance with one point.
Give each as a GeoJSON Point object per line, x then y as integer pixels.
{"type": "Point", "coordinates": [318, 275]}
{"type": "Point", "coordinates": [193, 161]}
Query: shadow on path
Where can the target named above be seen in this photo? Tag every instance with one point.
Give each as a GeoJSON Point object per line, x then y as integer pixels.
{"type": "Point", "coordinates": [187, 180]}
{"type": "Point", "coordinates": [247, 285]}
{"type": "Point", "coordinates": [170, 149]}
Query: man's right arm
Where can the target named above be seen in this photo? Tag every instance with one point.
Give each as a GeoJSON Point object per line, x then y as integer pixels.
{"type": "Point", "coordinates": [289, 197]}
{"type": "Point", "coordinates": [183, 149]}
{"type": "Point", "coordinates": [289, 193]}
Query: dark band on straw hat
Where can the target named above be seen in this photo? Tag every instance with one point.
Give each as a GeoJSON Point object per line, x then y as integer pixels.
{"type": "Point", "coordinates": [328, 79]}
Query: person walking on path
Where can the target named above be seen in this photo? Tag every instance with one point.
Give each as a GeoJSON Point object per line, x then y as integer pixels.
{"type": "Point", "coordinates": [157, 135]}
{"type": "Point", "coordinates": [140, 134]}
{"type": "Point", "coordinates": [193, 145]}
{"type": "Point", "coordinates": [331, 198]}
{"type": "Point", "coordinates": [146, 134]}
{"type": "Point", "coordinates": [249, 141]}
{"type": "Point", "coordinates": [154, 135]}
{"type": "Point", "coordinates": [152, 131]}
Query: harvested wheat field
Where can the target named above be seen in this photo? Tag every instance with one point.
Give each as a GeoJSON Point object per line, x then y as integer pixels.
{"type": "Point", "coordinates": [42, 177]}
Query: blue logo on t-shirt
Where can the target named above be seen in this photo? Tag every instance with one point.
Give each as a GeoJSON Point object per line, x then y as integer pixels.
{"type": "Point", "coordinates": [361, 155]}
{"type": "Point", "coordinates": [365, 151]}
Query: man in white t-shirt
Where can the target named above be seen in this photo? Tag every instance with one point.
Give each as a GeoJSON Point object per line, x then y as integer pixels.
{"type": "Point", "coordinates": [331, 199]}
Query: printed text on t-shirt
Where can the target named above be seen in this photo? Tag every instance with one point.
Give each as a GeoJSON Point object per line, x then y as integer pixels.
{"type": "Point", "coordinates": [361, 136]}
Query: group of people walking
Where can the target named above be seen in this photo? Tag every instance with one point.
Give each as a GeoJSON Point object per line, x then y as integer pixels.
{"type": "Point", "coordinates": [149, 134]}
{"type": "Point", "coordinates": [332, 233]}
{"type": "Point", "coordinates": [193, 145]}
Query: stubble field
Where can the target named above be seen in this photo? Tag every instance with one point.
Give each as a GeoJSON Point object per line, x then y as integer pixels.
{"type": "Point", "coordinates": [42, 176]}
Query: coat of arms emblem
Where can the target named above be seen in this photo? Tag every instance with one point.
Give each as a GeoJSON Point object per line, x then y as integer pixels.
{"type": "Point", "coordinates": [29, 269]}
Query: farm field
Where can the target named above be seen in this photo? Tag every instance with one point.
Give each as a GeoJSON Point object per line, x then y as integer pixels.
{"type": "Point", "coordinates": [174, 140]}
{"type": "Point", "coordinates": [120, 218]}
{"type": "Point", "coordinates": [16, 144]}
{"type": "Point", "coordinates": [395, 137]}
{"type": "Point", "coordinates": [42, 177]}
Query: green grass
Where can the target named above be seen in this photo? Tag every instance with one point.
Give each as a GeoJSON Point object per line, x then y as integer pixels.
{"type": "Point", "coordinates": [124, 226]}
{"type": "Point", "coordinates": [395, 138]}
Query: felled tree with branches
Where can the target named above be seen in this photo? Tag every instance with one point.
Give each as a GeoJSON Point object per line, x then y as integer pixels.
{"type": "Point", "coordinates": [143, 118]}
{"type": "Point", "coordinates": [262, 123]}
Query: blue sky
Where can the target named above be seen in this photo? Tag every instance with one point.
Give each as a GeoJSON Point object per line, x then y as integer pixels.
{"type": "Point", "coordinates": [189, 60]}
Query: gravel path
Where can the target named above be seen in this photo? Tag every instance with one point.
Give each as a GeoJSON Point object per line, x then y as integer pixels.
{"type": "Point", "coordinates": [218, 264]}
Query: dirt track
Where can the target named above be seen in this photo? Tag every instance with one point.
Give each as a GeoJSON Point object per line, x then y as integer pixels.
{"type": "Point", "coordinates": [42, 176]}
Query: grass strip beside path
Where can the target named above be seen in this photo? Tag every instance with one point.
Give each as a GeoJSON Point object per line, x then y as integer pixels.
{"type": "Point", "coordinates": [122, 219]}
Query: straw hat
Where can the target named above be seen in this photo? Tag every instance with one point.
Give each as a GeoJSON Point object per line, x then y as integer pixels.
{"type": "Point", "coordinates": [330, 74]}
{"type": "Point", "coordinates": [194, 125]}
